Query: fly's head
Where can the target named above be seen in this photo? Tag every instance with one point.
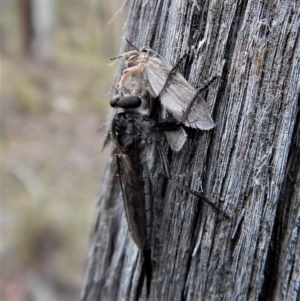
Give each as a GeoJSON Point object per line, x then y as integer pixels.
{"type": "Point", "coordinates": [125, 101]}
{"type": "Point", "coordinates": [133, 103]}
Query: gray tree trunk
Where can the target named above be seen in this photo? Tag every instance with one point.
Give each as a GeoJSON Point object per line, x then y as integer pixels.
{"type": "Point", "coordinates": [248, 164]}
{"type": "Point", "coordinates": [37, 27]}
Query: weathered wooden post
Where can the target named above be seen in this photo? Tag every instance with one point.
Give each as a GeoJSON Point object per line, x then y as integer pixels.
{"type": "Point", "coordinates": [248, 164]}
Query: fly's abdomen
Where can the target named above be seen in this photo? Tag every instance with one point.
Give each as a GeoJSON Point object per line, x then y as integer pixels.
{"type": "Point", "coordinates": [148, 204]}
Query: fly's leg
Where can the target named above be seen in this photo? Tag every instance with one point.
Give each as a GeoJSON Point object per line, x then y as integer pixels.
{"type": "Point", "coordinates": [186, 113]}
{"type": "Point", "coordinates": [168, 126]}
{"type": "Point", "coordinates": [183, 187]}
{"type": "Point", "coordinates": [172, 72]}
{"type": "Point", "coordinates": [132, 45]}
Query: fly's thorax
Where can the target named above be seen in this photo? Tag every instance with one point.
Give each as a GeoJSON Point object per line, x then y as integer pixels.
{"type": "Point", "coordinates": [122, 132]}
{"type": "Point", "coordinates": [131, 131]}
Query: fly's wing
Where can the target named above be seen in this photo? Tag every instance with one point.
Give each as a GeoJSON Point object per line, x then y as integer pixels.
{"type": "Point", "coordinates": [176, 95]}
{"type": "Point", "coordinates": [176, 138]}
{"type": "Point", "coordinates": [133, 200]}
{"type": "Point", "coordinates": [155, 75]}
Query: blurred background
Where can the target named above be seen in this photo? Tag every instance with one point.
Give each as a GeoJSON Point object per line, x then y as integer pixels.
{"type": "Point", "coordinates": [55, 90]}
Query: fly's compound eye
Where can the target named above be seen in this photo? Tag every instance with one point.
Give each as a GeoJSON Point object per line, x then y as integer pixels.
{"type": "Point", "coordinates": [114, 101]}
{"type": "Point", "coordinates": [125, 102]}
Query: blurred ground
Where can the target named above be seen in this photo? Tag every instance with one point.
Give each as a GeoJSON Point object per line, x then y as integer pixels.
{"type": "Point", "coordinates": [51, 148]}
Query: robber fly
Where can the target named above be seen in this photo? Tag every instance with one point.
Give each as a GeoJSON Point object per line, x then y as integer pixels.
{"type": "Point", "coordinates": [160, 101]}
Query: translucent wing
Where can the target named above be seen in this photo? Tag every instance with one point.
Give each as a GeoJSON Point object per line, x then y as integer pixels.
{"type": "Point", "coordinates": [176, 138]}
{"type": "Point", "coordinates": [176, 95]}
{"type": "Point", "coordinates": [133, 200]}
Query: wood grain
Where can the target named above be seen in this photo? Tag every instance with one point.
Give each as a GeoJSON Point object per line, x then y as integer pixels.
{"type": "Point", "coordinates": [248, 164]}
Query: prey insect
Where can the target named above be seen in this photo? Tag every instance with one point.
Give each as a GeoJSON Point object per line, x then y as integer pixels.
{"type": "Point", "coordinates": [134, 134]}
{"type": "Point", "coordinates": [161, 88]}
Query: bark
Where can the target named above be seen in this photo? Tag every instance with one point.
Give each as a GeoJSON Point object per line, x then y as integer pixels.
{"type": "Point", "coordinates": [248, 164]}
